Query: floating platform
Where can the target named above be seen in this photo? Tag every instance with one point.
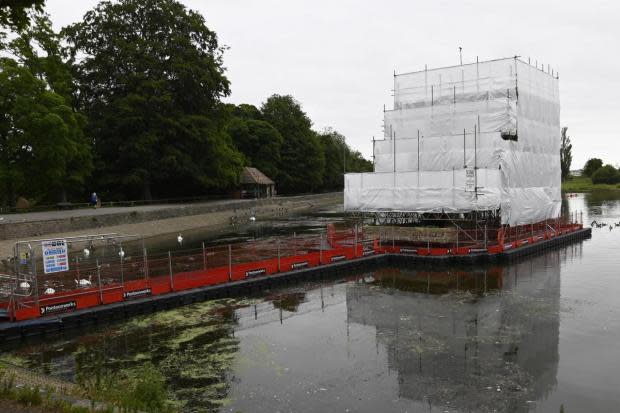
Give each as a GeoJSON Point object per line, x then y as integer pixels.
{"type": "Point", "coordinates": [95, 306]}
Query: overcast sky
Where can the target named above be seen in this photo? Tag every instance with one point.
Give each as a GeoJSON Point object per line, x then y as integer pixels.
{"type": "Point", "coordinates": [337, 57]}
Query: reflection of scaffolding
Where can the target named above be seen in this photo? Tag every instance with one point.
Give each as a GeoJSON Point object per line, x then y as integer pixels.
{"type": "Point", "coordinates": [455, 344]}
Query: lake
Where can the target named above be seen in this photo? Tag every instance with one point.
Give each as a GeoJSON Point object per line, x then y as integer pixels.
{"type": "Point", "coordinates": [526, 337]}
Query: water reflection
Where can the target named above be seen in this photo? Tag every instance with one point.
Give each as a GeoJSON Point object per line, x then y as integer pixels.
{"type": "Point", "coordinates": [396, 339]}
{"type": "Point", "coordinates": [488, 342]}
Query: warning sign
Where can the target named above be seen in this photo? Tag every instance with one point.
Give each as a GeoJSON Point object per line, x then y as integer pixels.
{"type": "Point", "coordinates": [55, 257]}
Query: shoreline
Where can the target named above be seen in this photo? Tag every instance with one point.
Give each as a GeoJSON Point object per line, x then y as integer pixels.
{"type": "Point", "coordinates": [210, 221]}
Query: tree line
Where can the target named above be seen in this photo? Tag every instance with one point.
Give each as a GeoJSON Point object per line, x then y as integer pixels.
{"type": "Point", "coordinates": [128, 103]}
{"type": "Point", "coordinates": [601, 173]}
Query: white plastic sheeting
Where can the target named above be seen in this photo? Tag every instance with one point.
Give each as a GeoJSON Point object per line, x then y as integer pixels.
{"type": "Point", "coordinates": [448, 120]}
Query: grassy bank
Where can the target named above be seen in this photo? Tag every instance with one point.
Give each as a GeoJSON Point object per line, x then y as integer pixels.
{"type": "Point", "coordinates": [24, 391]}
{"type": "Point", "coordinates": [584, 184]}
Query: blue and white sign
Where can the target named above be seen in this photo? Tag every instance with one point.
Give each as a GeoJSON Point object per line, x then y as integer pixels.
{"type": "Point", "coordinates": [55, 257]}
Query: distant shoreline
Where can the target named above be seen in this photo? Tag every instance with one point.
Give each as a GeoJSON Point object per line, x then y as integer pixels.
{"type": "Point", "coordinates": [584, 184]}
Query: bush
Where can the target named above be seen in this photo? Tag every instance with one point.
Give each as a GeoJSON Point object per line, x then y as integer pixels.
{"type": "Point", "coordinates": [606, 175]}
{"type": "Point", "coordinates": [592, 166]}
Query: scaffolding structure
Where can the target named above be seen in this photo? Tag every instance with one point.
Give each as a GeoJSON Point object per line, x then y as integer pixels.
{"type": "Point", "coordinates": [473, 143]}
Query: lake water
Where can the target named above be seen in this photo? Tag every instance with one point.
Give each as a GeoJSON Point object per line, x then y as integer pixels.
{"type": "Point", "coordinates": [527, 337]}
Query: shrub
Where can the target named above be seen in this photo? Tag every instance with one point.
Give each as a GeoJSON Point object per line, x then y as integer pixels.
{"type": "Point", "coordinates": [606, 175]}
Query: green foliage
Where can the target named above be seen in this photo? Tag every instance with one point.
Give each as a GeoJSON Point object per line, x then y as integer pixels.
{"type": "Point", "coordinates": [339, 158]}
{"type": "Point", "coordinates": [606, 175]}
{"type": "Point", "coordinates": [132, 104]}
{"type": "Point", "coordinates": [28, 396]}
{"type": "Point", "coordinates": [566, 156]}
{"type": "Point", "coordinates": [591, 166]}
{"type": "Point", "coordinates": [259, 142]}
{"type": "Point", "coordinates": [584, 184]}
{"type": "Point", "coordinates": [14, 13]}
{"type": "Point", "coordinates": [41, 138]}
{"type": "Point", "coordinates": [301, 159]}
{"type": "Point", "coordinates": [150, 77]}
{"type": "Point", "coordinates": [144, 391]}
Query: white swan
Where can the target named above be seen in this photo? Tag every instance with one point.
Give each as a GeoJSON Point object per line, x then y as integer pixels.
{"type": "Point", "coordinates": [84, 282]}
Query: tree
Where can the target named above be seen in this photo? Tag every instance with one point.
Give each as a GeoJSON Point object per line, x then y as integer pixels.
{"type": "Point", "coordinates": [301, 159]}
{"type": "Point", "coordinates": [40, 136]}
{"type": "Point", "coordinates": [606, 175]}
{"type": "Point", "coordinates": [14, 13]}
{"type": "Point", "coordinates": [259, 142]}
{"type": "Point", "coordinates": [44, 150]}
{"type": "Point", "coordinates": [151, 76]}
{"type": "Point", "coordinates": [591, 166]}
{"type": "Point", "coordinates": [339, 158]}
{"type": "Point", "coordinates": [566, 156]}
{"type": "Point", "coordinates": [38, 49]}
{"type": "Point", "coordinates": [335, 151]}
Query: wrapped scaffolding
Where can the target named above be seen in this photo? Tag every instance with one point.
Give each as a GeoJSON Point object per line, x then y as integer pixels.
{"type": "Point", "coordinates": [476, 137]}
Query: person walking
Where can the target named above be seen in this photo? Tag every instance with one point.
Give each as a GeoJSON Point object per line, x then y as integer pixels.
{"type": "Point", "coordinates": [93, 200]}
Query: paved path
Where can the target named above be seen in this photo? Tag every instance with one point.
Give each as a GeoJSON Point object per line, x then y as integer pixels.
{"type": "Point", "coordinates": [87, 212]}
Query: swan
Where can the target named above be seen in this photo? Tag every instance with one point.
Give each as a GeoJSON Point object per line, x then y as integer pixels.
{"type": "Point", "coordinates": [84, 282]}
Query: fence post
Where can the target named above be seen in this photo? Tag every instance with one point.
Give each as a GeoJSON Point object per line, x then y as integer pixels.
{"type": "Point", "coordinates": [99, 281]}
{"type": "Point", "coordinates": [321, 250]}
{"type": "Point", "coordinates": [122, 275]}
{"type": "Point", "coordinates": [146, 264]}
{"type": "Point", "coordinates": [457, 238]}
{"type": "Point", "coordinates": [229, 262]}
{"type": "Point", "coordinates": [393, 236]}
{"type": "Point", "coordinates": [355, 241]}
{"type": "Point", "coordinates": [485, 236]}
{"type": "Point", "coordinates": [34, 272]}
{"type": "Point", "coordinates": [278, 255]}
{"type": "Point", "coordinates": [204, 257]}
{"type": "Point", "coordinates": [170, 271]}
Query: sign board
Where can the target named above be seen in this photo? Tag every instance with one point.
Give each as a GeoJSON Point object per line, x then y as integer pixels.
{"type": "Point", "coordinates": [470, 180]}
{"type": "Point", "coordinates": [137, 293]}
{"type": "Point", "coordinates": [55, 256]}
{"type": "Point", "coordinates": [258, 271]}
{"type": "Point", "coordinates": [58, 308]}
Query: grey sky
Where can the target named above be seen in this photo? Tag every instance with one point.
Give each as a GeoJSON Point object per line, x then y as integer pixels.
{"type": "Point", "coordinates": [337, 57]}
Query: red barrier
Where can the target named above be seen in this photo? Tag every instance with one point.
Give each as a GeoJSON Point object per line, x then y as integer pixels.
{"type": "Point", "coordinates": [343, 248]}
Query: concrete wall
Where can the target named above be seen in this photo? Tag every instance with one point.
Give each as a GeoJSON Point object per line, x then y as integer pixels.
{"type": "Point", "coordinates": [223, 212]}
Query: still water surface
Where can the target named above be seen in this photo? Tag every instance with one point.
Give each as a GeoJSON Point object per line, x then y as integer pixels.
{"type": "Point", "coordinates": [527, 337]}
